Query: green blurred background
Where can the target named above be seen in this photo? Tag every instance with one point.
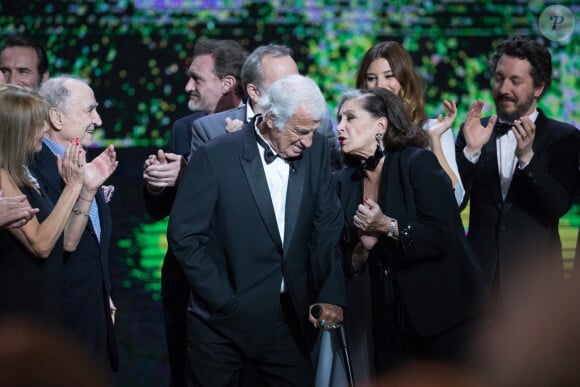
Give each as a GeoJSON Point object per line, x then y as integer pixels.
{"type": "Point", "coordinates": [135, 54]}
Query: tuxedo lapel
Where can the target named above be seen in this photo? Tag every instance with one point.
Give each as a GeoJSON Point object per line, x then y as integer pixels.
{"type": "Point", "coordinates": [254, 172]}
{"type": "Point", "coordinates": [541, 140]}
{"type": "Point", "coordinates": [293, 199]}
{"type": "Point", "coordinates": [45, 170]}
{"type": "Point", "coordinates": [489, 155]}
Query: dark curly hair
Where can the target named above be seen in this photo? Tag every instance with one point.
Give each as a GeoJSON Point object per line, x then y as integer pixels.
{"type": "Point", "coordinates": [524, 47]}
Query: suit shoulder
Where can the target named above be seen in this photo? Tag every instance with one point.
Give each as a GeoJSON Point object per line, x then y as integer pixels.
{"type": "Point", "coordinates": [210, 119]}
{"type": "Point", "coordinates": [189, 119]}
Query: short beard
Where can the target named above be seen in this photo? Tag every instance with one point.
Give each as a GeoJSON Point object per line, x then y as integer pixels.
{"type": "Point", "coordinates": [521, 110]}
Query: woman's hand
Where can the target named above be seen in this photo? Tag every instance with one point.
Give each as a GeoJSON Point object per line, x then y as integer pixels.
{"type": "Point", "coordinates": [71, 165]}
{"type": "Point", "coordinates": [369, 218]}
{"type": "Point", "coordinates": [443, 124]}
{"type": "Point", "coordinates": [367, 242]}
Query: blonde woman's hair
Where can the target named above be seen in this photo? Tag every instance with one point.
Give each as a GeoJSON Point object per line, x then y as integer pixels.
{"type": "Point", "coordinates": [23, 112]}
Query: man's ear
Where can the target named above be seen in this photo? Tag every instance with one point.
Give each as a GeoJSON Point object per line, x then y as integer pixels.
{"type": "Point", "coordinates": [538, 91]}
{"type": "Point", "coordinates": [44, 77]}
{"type": "Point", "coordinates": [55, 118]}
{"type": "Point", "coordinates": [229, 84]}
{"type": "Point", "coordinates": [253, 92]}
{"type": "Point", "coordinates": [269, 119]}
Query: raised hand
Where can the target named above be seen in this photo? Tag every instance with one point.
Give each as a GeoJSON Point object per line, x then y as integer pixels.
{"type": "Point", "coordinates": [476, 135]}
{"type": "Point", "coordinates": [164, 170]}
{"type": "Point", "coordinates": [525, 132]}
{"type": "Point", "coordinates": [100, 168]}
{"type": "Point", "coordinates": [71, 165]}
{"type": "Point", "coordinates": [233, 125]}
{"type": "Point", "coordinates": [443, 124]}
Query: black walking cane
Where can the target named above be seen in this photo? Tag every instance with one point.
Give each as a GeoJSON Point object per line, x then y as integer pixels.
{"type": "Point", "coordinates": [316, 312]}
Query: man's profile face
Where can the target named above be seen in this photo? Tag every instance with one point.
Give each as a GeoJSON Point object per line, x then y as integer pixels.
{"type": "Point", "coordinates": [20, 66]}
{"type": "Point", "coordinates": [80, 117]}
{"type": "Point", "coordinates": [204, 86]}
{"type": "Point", "coordinates": [290, 141]}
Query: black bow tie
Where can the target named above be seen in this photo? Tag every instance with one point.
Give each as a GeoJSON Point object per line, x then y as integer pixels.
{"type": "Point", "coordinates": [269, 154]}
{"type": "Point", "coordinates": [502, 128]}
{"type": "Point", "coordinates": [368, 165]}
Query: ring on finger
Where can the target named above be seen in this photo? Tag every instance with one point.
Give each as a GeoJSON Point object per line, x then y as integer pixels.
{"type": "Point", "coordinates": [322, 324]}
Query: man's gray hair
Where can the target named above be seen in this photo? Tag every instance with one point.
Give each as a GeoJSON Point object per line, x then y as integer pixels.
{"type": "Point", "coordinates": [287, 94]}
{"type": "Point", "coordinates": [253, 71]}
{"type": "Point", "coordinates": [56, 92]}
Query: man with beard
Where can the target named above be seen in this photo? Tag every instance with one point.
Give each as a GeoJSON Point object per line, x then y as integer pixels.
{"type": "Point", "coordinates": [519, 167]}
{"type": "Point", "coordinates": [214, 84]}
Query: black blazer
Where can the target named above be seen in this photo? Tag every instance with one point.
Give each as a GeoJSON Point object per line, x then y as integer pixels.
{"type": "Point", "coordinates": [223, 230]}
{"type": "Point", "coordinates": [524, 229]}
{"type": "Point", "coordinates": [435, 272]}
{"type": "Point", "coordinates": [86, 279]}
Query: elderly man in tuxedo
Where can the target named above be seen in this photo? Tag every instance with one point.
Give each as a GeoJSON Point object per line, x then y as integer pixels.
{"type": "Point", "coordinates": [519, 167]}
{"type": "Point", "coordinates": [255, 225]}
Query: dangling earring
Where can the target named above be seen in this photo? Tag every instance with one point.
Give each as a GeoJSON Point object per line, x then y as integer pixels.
{"type": "Point", "coordinates": [379, 138]}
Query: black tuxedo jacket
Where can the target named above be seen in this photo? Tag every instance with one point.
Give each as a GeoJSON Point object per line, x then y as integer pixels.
{"type": "Point", "coordinates": [523, 229]}
{"type": "Point", "coordinates": [87, 286]}
{"type": "Point", "coordinates": [436, 274]}
{"type": "Point", "coordinates": [223, 230]}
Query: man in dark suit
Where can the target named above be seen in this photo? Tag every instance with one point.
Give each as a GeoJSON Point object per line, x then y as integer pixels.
{"type": "Point", "coordinates": [519, 167]}
{"type": "Point", "coordinates": [88, 307]}
{"type": "Point", "coordinates": [265, 65]}
{"type": "Point", "coordinates": [214, 85]}
{"type": "Point", "coordinates": [255, 225]}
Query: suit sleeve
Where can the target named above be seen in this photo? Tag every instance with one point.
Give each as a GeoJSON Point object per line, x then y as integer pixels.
{"type": "Point", "coordinates": [197, 138]}
{"type": "Point", "coordinates": [465, 167]}
{"type": "Point", "coordinates": [551, 175]}
{"type": "Point", "coordinates": [448, 146]}
{"type": "Point", "coordinates": [189, 230]}
{"type": "Point", "coordinates": [435, 207]}
{"type": "Point", "coordinates": [326, 264]}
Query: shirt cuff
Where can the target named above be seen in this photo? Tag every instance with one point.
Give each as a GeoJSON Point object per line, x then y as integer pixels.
{"type": "Point", "coordinates": [473, 159]}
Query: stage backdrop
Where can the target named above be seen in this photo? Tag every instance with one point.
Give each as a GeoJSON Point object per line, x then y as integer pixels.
{"type": "Point", "coordinates": [135, 54]}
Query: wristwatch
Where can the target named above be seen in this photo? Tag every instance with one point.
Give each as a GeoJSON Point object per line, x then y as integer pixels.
{"type": "Point", "coordinates": [392, 225]}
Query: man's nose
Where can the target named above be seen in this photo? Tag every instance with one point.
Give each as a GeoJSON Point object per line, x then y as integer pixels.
{"type": "Point", "coordinates": [190, 86]}
{"type": "Point", "coordinates": [97, 119]}
{"type": "Point", "coordinates": [307, 140]}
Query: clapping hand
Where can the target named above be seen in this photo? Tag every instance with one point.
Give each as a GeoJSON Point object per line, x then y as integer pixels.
{"type": "Point", "coordinates": [476, 135]}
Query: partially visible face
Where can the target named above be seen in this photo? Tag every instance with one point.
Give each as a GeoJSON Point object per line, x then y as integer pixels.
{"type": "Point", "coordinates": [380, 74]}
{"type": "Point", "coordinates": [37, 145]}
{"type": "Point", "coordinates": [514, 93]}
{"type": "Point", "coordinates": [357, 129]}
{"type": "Point", "coordinates": [81, 117]}
{"type": "Point", "coordinates": [276, 68]}
{"type": "Point", "coordinates": [290, 141]}
{"type": "Point", "coordinates": [203, 86]}
{"type": "Point", "coordinates": [20, 66]}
